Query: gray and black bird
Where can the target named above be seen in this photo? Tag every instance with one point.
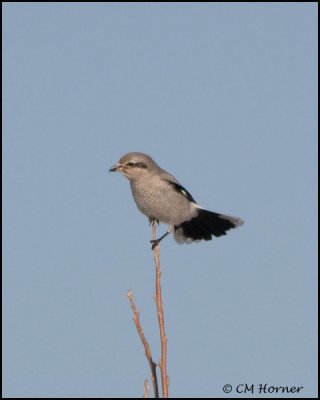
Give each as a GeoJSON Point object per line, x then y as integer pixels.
{"type": "Point", "coordinates": [161, 197]}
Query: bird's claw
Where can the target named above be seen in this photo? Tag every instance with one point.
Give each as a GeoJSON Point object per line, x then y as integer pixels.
{"type": "Point", "coordinates": [154, 243]}
{"type": "Point", "coordinates": [152, 220]}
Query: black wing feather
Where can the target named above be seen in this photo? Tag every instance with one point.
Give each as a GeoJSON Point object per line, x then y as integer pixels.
{"type": "Point", "coordinates": [179, 188]}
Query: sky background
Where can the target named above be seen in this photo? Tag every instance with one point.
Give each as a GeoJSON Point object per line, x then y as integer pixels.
{"type": "Point", "coordinates": [222, 95]}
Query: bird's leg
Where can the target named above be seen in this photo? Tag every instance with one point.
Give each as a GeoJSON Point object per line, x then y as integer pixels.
{"type": "Point", "coordinates": [157, 241]}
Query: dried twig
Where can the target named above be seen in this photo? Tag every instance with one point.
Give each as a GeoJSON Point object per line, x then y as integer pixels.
{"type": "Point", "coordinates": [152, 364]}
{"type": "Point", "coordinates": [146, 393]}
{"type": "Point", "coordinates": [163, 338]}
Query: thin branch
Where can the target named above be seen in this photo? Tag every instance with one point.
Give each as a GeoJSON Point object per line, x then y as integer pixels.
{"type": "Point", "coordinates": [163, 338]}
{"type": "Point", "coordinates": [152, 364]}
{"type": "Point", "coordinates": [146, 393]}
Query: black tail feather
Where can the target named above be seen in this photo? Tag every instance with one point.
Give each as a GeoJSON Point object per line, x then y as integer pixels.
{"type": "Point", "coordinates": [204, 226]}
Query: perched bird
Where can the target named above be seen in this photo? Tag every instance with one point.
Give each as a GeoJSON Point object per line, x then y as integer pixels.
{"type": "Point", "coordinates": [161, 197]}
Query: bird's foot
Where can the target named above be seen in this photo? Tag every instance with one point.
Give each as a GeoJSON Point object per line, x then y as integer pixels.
{"type": "Point", "coordinates": [154, 243]}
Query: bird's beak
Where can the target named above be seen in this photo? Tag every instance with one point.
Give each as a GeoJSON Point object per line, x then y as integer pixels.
{"type": "Point", "coordinates": [115, 168]}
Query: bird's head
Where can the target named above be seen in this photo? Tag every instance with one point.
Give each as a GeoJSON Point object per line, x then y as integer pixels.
{"type": "Point", "coordinates": [134, 165]}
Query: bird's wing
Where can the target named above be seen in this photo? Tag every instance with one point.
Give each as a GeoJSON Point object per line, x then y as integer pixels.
{"type": "Point", "coordinates": [180, 189]}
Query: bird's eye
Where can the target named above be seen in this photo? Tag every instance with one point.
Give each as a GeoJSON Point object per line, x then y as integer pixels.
{"type": "Point", "coordinates": [130, 164]}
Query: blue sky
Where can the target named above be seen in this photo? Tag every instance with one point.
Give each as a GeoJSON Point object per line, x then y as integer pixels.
{"type": "Point", "coordinates": [222, 95]}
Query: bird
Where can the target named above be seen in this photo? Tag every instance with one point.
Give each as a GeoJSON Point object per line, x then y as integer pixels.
{"type": "Point", "coordinates": [162, 198]}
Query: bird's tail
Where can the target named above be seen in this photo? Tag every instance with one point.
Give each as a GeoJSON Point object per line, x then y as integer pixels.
{"type": "Point", "coordinates": [205, 225]}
